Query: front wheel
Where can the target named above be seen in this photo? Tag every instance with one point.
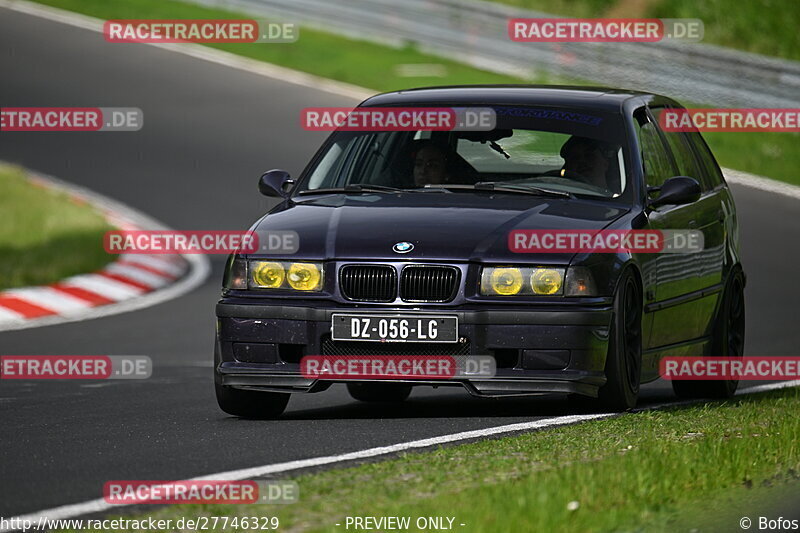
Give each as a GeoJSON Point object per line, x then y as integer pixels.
{"type": "Point", "coordinates": [624, 360]}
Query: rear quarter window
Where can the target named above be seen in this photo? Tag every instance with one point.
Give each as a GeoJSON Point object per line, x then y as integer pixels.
{"type": "Point", "coordinates": [707, 161]}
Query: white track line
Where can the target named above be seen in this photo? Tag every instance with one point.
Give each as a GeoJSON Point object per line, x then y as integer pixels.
{"type": "Point", "coordinates": [100, 505]}
{"type": "Point", "coordinates": [768, 387]}
{"type": "Point", "coordinates": [761, 183]}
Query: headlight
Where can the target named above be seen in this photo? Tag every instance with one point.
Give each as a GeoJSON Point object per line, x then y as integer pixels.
{"type": "Point", "coordinates": [522, 281]}
{"type": "Point", "coordinates": [288, 276]}
{"type": "Point", "coordinates": [506, 281]}
{"type": "Point", "coordinates": [547, 280]}
{"type": "Point", "coordinates": [304, 276]}
{"type": "Point", "coordinates": [267, 274]}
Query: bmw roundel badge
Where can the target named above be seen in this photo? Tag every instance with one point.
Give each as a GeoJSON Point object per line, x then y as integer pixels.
{"type": "Point", "coordinates": [403, 247]}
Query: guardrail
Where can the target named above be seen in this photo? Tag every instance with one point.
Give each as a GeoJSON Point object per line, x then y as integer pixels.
{"type": "Point", "coordinates": [476, 32]}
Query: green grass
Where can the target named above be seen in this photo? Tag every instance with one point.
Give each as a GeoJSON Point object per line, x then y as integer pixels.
{"type": "Point", "coordinates": [373, 66]}
{"type": "Point", "coordinates": [647, 471]}
{"type": "Point", "coordinates": [761, 26]}
{"type": "Point", "coordinates": [44, 235]}
{"type": "Point", "coordinates": [770, 154]}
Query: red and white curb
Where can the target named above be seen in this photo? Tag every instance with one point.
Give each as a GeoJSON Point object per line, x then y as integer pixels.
{"type": "Point", "coordinates": [133, 281]}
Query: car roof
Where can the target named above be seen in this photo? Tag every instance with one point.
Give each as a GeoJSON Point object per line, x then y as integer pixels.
{"type": "Point", "coordinates": [599, 98]}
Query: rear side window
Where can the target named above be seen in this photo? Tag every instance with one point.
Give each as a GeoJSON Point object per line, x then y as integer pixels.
{"type": "Point", "coordinates": [657, 165]}
{"type": "Point", "coordinates": [682, 152]}
{"type": "Point", "coordinates": [707, 161]}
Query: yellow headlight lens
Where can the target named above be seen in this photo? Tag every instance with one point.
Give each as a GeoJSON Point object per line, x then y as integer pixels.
{"type": "Point", "coordinates": [304, 276]}
{"type": "Point", "coordinates": [506, 281]}
{"type": "Point", "coordinates": [268, 275]}
{"type": "Point", "coordinates": [546, 281]}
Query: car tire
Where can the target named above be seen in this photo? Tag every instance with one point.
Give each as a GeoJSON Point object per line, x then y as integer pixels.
{"type": "Point", "coordinates": [379, 392]}
{"type": "Point", "coordinates": [624, 360]}
{"type": "Point", "coordinates": [261, 405]}
{"type": "Point", "coordinates": [727, 341]}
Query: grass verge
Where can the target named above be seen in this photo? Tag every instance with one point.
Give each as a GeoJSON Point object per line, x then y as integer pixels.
{"type": "Point", "coordinates": [636, 472]}
{"type": "Point", "coordinates": [375, 66]}
{"type": "Point", "coordinates": [44, 235]}
{"type": "Point", "coordinates": [766, 27]}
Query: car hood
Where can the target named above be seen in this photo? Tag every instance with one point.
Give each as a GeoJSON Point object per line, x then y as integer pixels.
{"type": "Point", "coordinates": [441, 226]}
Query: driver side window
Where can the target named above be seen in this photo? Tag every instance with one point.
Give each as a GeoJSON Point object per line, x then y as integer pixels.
{"type": "Point", "coordinates": [658, 166]}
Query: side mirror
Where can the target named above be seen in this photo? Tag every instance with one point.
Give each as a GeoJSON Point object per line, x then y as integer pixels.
{"type": "Point", "coordinates": [679, 190]}
{"type": "Point", "coordinates": [274, 183]}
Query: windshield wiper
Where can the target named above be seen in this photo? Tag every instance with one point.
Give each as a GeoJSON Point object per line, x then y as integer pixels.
{"type": "Point", "coordinates": [499, 149]}
{"type": "Point", "coordinates": [492, 187]}
{"type": "Point", "coordinates": [355, 187]}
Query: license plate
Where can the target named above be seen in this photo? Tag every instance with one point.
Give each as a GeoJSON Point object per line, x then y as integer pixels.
{"type": "Point", "coordinates": [394, 328]}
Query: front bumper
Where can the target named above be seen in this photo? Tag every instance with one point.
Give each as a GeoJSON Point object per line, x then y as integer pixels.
{"type": "Point", "coordinates": [537, 350]}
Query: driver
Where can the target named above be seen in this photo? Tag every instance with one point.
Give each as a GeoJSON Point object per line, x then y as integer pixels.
{"type": "Point", "coordinates": [431, 165]}
{"type": "Point", "coordinates": [587, 160]}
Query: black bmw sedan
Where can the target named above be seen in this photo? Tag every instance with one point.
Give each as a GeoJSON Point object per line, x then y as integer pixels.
{"type": "Point", "coordinates": [419, 243]}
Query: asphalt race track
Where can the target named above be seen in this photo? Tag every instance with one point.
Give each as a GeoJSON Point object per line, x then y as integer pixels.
{"type": "Point", "coordinates": [209, 131]}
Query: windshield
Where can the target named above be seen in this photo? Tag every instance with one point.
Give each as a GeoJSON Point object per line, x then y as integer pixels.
{"type": "Point", "coordinates": [530, 148]}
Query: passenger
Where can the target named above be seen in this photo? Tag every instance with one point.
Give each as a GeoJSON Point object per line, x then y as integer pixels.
{"type": "Point", "coordinates": [587, 160]}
